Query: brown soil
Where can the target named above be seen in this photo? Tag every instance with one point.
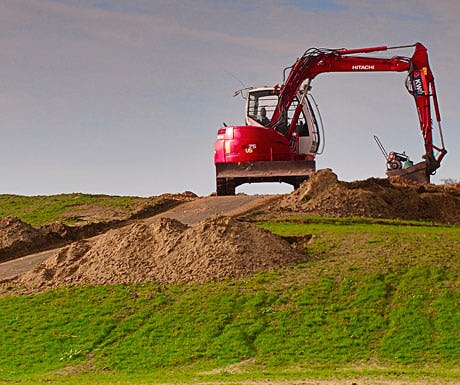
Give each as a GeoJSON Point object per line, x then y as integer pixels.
{"type": "Point", "coordinates": [325, 195]}
{"type": "Point", "coordinates": [19, 238]}
{"type": "Point", "coordinates": [13, 230]}
{"type": "Point", "coordinates": [166, 251]}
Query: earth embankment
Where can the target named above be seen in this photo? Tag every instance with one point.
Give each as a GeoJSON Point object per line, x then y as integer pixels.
{"type": "Point", "coordinates": [201, 240]}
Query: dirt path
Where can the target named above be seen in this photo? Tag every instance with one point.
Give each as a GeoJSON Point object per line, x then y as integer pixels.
{"type": "Point", "coordinates": [199, 209]}
{"type": "Point", "coordinates": [188, 213]}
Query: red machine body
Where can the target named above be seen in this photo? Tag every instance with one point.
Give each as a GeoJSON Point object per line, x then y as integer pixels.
{"type": "Point", "coordinates": [251, 144]}
{"type": "Point", "coordinates": [283, 147]}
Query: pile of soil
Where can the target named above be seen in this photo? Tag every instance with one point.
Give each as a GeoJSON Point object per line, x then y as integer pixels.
{"type": "Point", "coordinates": [323, 194]}
{"type": "Point", "coordinates": [13, 230]}
{"type": "Point", "coordinates": [183, 196]}
{"type": "Point", "coordinates": [167, 251]}
{"type": "Point", "coordinates": [20, 238]}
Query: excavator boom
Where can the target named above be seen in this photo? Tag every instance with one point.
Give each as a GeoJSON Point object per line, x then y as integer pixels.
{"type": "Point", "coordinates": [420, 84]}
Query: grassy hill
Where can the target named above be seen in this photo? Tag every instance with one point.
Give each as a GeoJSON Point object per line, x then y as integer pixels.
{"type": "Point", "coordinates": [372, 300]}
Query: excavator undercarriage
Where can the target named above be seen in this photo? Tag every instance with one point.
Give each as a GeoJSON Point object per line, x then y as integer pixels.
{"type": "Point", "coordinates": [231, 175]}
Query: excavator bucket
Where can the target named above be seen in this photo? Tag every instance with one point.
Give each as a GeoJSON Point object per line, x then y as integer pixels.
{"type": "Point", "coordinates": [418, 173]}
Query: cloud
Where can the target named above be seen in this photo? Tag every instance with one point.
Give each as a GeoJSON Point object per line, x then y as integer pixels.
{"type": "Point", "coordinates": [146, 84]}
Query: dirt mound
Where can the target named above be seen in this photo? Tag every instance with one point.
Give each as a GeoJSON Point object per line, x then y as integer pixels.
{"type": "Point", "coordinates": [166, 251]}
{"type": "Point", "coordinates": [183, 196]}
{"type": "Point", "coordinates": [19, 238]}
{"type": "Point", "coordinates": [323, 194]}
{"type": "Point", "coordinates": [13, 230]}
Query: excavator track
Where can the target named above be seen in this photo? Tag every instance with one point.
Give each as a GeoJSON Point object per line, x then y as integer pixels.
{"type": "Point", "coordinates": [231, 175]}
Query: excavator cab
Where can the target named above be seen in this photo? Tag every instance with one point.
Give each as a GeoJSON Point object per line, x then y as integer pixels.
{"type": "Point", "coordinates": [258, 100]}
{"type": "Point", "coordinates": [261, 151]}
{"type": "Point", "coordinates": [300, 124]}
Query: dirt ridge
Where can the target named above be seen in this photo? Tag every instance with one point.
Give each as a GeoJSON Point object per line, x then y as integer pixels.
{"type": "Point", "coordinates": [323, 194]}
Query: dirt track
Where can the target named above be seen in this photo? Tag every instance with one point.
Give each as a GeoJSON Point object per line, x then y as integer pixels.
{"type": "Point", "coordinates": [188, 213]}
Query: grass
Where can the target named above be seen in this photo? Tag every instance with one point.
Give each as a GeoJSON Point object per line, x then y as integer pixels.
{"type": "Point", "coordinates": [43, 210]}
{"type": "Point", "coordinates": [371, 300]}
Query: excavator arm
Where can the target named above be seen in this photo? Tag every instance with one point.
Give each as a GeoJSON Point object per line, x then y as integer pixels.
{"type": "Point", "coordinates": [420, 83]}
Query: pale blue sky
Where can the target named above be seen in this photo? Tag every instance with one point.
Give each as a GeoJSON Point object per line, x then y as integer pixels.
{"type": "Point", "coordinates": [125, 97]}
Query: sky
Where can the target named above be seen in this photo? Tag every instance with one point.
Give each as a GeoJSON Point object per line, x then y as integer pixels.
{"type": "Point", "coordinates": [126, 97]}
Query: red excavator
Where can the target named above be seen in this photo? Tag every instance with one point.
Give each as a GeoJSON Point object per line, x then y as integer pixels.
{"type": "Point", "coordinates": [283, 130]}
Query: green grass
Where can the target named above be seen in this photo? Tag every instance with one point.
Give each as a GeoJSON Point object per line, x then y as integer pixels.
{"type": "Point", "coordinates": [371, 300]}
{"type": "Point", "coordinates": [308, 219]}
{"type": "Point", "coordinates": [43, 210]}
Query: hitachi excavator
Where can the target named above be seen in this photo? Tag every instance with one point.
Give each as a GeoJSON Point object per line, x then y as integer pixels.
{"type": "Point", "coordinates": [283, 130]}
